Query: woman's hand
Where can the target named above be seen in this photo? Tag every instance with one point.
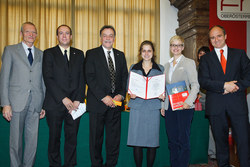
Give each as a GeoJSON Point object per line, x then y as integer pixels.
{"type": "Point", "coordinates": [185, 106]}
{"type": "Point", "coordinates": [163, 112]}
{"type": "Point", "coordinates": [132, 96]}
{"type": "Point", "coordinates": [162, 97]}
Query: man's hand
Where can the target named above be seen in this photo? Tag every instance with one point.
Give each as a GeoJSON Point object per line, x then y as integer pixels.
{"type": "Point", "coordinates": [76, 104]}
{"type": "Point", "coordinates": [42, 114]}
{"type": "Point", "coordinates": [7, 112]}
{"type": "Point", "coordinates": [108, 101]}
{"type": "Point", "coordinates": [230, 87]}
{"type": "Point", "coordinates": [225, 92]}
{"type": "Point", "coordinates": [68, 104]}
{"type": "Point", "coordinates": [118, 97]}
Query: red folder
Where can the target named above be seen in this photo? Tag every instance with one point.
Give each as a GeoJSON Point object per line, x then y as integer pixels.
{"type": "Point", "coordinates": [177, 94]}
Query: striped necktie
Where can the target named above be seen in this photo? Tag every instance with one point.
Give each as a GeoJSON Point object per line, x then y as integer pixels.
{"type": "Point", "coordinates": [112, 72]}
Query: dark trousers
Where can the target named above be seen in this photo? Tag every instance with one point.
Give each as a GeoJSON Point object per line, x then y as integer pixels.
{"type": "Point", "coordinates": [55, 120]}
{"type": "Point", "coordinates": [111, 120]}
{"type": "Point", "coordinates": [240, 125]}
{"type": "Point", "coordinates": [178, 125]}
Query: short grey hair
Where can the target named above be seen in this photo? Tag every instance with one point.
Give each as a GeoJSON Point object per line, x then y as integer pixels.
{"type": "Point", "coordinates": [30, 23]}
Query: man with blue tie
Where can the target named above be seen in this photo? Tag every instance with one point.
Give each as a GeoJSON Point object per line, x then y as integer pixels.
{"type": "Point", "coordinates": [21, 95]}
{"type": "Point", "coordinates": [225, 74]}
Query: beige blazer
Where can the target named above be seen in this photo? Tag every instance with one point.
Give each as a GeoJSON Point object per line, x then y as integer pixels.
{"type": "Point", "coordinates": [185, 70]}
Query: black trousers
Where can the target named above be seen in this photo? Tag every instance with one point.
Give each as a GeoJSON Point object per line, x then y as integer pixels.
{"type": "Point", "coordinates": [178, 127]}
{"type": "Point", "coordinates": [240, 125]}
{"type": "Point", "coordinates": [111, 121]}
{"type": "Point", "coordinates": [55, 120]}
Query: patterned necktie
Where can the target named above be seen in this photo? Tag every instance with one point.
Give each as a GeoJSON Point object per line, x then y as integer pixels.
{"type": "Point", "coordinates": [223, 61]}
{"type": "Point", "coordinates": [66, 57]}
{"type": "Point", "coordinates": [112, 72]}
{"type": "Point", "coordinates": [30, 57]}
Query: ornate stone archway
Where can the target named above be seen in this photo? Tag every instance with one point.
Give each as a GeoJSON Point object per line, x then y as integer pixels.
{"type": "Point", "coordinates": [193, 18]}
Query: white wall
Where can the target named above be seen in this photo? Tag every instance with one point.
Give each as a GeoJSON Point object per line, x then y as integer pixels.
{"type": "Point", "coordinates": [168, 25]}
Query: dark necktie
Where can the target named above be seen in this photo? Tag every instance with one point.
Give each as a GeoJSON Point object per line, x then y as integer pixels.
{"type": "Point", "coordinates": [223, 61]}
{"type": "Point", "coordinates": [112, 72]}
{"type": "Point", "coordinates": [66, 57]}
{"type": "Point", "coordinates": [30, 57]}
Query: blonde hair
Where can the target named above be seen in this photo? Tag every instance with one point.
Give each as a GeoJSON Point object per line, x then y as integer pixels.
{"type": "Point", "coordinates": [176, 37]}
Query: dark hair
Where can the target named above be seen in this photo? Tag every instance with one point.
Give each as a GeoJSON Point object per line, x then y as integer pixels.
{"type": "Point", "coordinates": [204, 49]}
{"type": "Point", "coordinates": [30, 23]}
{"type": "Point", "coordinates": [219, 26]}
{"type": "Point", "coordinates": [63, 25]}
{"type": "Point", "coordinates": [147, 42]}
{"type": "Point", "coordinates": [107, 27]}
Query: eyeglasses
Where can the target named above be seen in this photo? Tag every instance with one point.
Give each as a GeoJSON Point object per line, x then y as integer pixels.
{"type": "Point", "coordinates": [178, 46]}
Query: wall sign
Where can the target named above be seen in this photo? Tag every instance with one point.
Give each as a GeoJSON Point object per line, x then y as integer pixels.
{"type": "Point", "coordinates": [237, 10]}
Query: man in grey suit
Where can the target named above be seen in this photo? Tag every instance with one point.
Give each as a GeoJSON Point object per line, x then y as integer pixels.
{"type": "Point", "coordinates": [21, 95]}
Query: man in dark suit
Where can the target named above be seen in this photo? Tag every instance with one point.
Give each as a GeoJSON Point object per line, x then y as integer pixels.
{"type": "Point", "coordinates": [22, 94]}
{"type": "Point", "coordinates": [63, 74]}
{"type": "Point", "coordinates": [106, 75]}
{"type": "Point", "coordinates": [225, 74]}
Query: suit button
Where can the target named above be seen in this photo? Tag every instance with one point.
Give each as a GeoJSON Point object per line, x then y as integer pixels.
{"type": "Point", "coordinates": [30, 80]}
{"type": "Point", "coordinates": [30, 70]}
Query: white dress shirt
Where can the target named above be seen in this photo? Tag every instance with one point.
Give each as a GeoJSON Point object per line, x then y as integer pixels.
{"type": "Point", "coordinates": [217, 50]}
{"type": "Point", "coordinates": [111, 55]}
{"type": "Point", "coordinates": [172, 67]}
{"type": "Point", "coordinates": [27, 51]}
{"type": "Point", "coordinates": [68, 51]}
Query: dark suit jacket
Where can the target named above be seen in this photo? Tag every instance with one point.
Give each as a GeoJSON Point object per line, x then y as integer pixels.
{"type": "Point", "coordinates": [62, 80]}
{"type": "Point", "coordinates": [212, 78]}
{"type": "Point", "coordinates": [98, 77]}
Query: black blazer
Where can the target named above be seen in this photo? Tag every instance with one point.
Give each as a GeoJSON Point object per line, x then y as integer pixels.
{"type": "Point", "coordinates": [62, 80]}
{"type": "Point", "coordinates": [98, 77]}
{"type": "Point", "coordinates": [212, 78]}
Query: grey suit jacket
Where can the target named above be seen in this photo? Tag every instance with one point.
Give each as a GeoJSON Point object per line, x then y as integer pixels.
{"type": "Point", "coordinates": [18, 79]}
{"type": "Point", "coordinates": [184, 71]}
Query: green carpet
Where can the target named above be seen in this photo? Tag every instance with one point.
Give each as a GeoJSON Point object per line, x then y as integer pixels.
{"type": "Point", "coordinates": [199, 143]}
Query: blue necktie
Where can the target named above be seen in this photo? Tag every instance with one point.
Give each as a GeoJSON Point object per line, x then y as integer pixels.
{"type": "Point", "coordinates": [30, 57]}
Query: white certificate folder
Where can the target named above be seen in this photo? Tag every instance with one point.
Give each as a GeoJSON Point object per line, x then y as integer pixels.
{"type": "Point", "coordinates": [81, 110]}
{"type": "Point", "coordinates": [146, 87]}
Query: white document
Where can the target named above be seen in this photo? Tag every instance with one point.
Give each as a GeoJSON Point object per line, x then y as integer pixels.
{"type": "Point", "coordinates": [81, 110]}
{"type": "Point", "coordinates": [146, 87]}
